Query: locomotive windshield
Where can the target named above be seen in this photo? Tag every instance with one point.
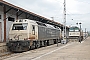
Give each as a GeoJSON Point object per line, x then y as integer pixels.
{"type": "Point", "coordinates": [20, 26]}
{"type": "Point", "coordinates": [71, 29]}
{"type": "Point", "coordinates": [74, 29]}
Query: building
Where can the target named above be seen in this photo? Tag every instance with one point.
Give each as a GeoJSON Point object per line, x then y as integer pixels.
{"type": "Point", "coordinates": [10, 12]}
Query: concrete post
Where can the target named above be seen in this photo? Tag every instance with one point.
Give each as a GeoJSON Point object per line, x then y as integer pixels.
{"type": "Point", "coordinates": [4, 8]}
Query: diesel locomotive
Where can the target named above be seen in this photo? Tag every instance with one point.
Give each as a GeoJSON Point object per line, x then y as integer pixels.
{"type": "Point", "coordinates": [28, 34]}
{"type": "Point", "coordinates": [75, 33]}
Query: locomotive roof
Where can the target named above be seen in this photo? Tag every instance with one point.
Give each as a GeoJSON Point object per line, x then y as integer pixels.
{"type": "Point", "coordinates": [47, 25]}
{"type": "Point", "coordinates": [51, 26]}
{"type": "Point", "coordinates": [36, 22]}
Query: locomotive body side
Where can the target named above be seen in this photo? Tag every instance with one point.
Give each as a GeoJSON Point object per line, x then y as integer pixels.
{"type": "Point", "coordinates": [46, 33]}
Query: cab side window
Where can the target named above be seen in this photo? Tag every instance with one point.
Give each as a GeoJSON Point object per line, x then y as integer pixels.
{"type": "Point", "coordinates": [33, 29]}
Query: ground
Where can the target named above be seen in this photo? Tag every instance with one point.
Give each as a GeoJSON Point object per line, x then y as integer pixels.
{"type": "Point", "coordinates": [69, 51]}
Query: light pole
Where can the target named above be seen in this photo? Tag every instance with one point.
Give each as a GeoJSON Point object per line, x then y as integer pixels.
{"type": "Point", "coordinates": [80, 31]}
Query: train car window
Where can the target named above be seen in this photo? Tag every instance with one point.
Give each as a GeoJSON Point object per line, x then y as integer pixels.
{"type": "Point", "coordinates": [33, 29]}
{"type": "Point", "coordinates": [0, 16]}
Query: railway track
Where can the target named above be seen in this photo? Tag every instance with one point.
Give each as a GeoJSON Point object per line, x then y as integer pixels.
{"type": "Point", "coordinates": [9, 54]}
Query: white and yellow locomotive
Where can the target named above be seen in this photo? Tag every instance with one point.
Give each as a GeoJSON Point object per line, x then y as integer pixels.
{"type": "Point", "coordinates": [27, 34]}
{"type": "Point", "coordinates": [75, 33]}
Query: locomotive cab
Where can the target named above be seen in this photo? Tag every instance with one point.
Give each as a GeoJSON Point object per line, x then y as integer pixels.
{"type": "Point", "coordinates": [74, 32]}
{"type": "Point", "coordinates": [20, 34]}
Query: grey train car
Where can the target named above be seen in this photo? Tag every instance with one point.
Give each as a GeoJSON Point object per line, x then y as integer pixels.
{"type": "Point", "coordinates": [27, 34]}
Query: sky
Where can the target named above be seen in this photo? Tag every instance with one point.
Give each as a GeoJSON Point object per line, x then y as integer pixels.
{"type": "Point", "coordinates": [77, 11]}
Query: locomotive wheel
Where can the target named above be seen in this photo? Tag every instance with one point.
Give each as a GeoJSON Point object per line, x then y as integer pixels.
{"type": "Point", "coordinates": [40, 43]}
{"type": "Point", "coordinates": [48, 43]}
{"type": "Point", "coordinates": [33, 45]}
{"type": "Point", "coordinates": [54, 41]}
{"type": "Point", "coordinates": [37, 44]}
{"type": "Point", "coordinates": [45, 43]}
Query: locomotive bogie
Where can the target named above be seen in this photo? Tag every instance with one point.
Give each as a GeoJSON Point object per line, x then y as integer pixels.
{"type": "Point", "coordinates": [18, 46]}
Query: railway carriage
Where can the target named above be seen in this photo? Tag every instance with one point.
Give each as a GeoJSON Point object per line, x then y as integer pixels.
{"type": "Point", "coordinates": [27, 34]}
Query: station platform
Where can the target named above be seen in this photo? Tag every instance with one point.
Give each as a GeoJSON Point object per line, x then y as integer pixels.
{"type": "Point", "coordinates": [69, 51]}
{"type": "Point", "coordinates": [72, 51]}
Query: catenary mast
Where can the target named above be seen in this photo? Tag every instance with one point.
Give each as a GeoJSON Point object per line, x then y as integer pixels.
{"type": "Point", "coordinates": [64, 20]}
